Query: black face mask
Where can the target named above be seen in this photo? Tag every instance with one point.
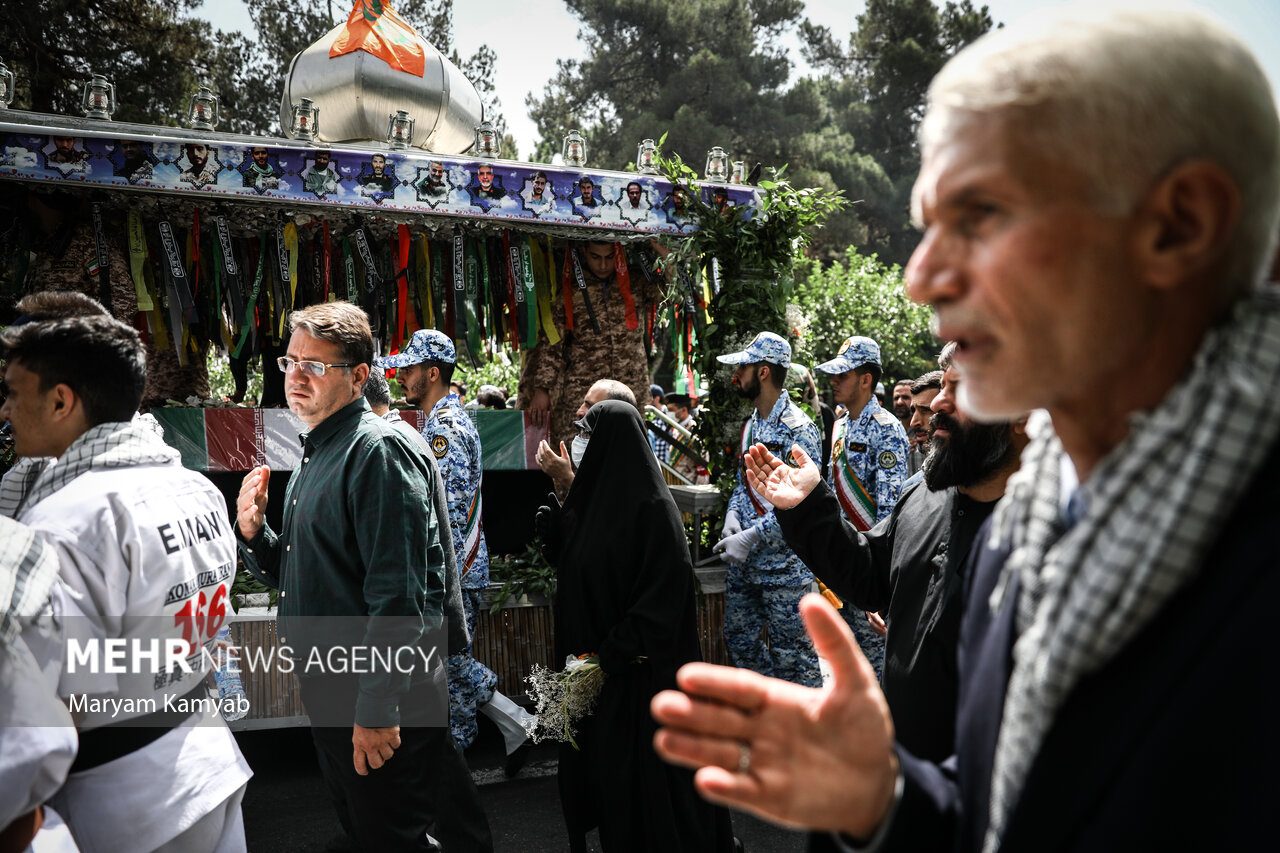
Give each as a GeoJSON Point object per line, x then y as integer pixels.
{"type": "Point", "coordinates": [969, 455]}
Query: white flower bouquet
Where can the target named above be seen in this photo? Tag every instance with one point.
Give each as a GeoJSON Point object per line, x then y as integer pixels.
{"type": "Point", "coordinates": [565, 696]}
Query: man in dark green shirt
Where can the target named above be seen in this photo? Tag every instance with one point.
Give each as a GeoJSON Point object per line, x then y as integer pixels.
{"type": "Point", "coordinates": [360, 568]}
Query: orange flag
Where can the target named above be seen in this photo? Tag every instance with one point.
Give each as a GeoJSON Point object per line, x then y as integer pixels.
{"type": "Point", "coordinates": [374, 27]}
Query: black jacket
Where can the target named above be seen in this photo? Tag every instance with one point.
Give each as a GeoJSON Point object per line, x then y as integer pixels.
{"type": "Point", "coordinates": [1172, 745]}
{"type": "Point", "coordinates": [909, 567]}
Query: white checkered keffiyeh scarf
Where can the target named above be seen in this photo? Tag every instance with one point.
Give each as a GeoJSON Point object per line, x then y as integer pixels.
{"type": "Point", "coordinates": [28, 569]}
{"type": "Point", "coordinates": [1156, 504]}
{"type": "Point", "coordinates": [109, 445]}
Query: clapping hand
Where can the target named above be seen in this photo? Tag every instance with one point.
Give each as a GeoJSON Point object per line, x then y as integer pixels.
{"type": "Point", "coordinates": [778, 483]}
{"type": "Point", "coordinates": [557, 466]}
{"type": "Point", "coordinates": [251, 503]}
{"type": "Point", "coordinates": [820, 758]}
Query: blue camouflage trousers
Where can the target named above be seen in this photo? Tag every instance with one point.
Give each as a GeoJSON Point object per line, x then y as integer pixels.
{"type": "Point", "coordinates": [750, 606]}
{"type": "Point", "coordinates": [471, 683]}
{"type": "Point", "coordinates": [871, 643]}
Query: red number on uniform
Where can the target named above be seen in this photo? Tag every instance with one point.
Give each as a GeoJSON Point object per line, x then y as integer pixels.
{"type": "Point", "coordinates": [199, 623]}
{"type": "Point", "coordinates": [217, 611]}
{"type": "Point", "coordinates": [185, 619]}
{"type": "Point", "coordinates": [200, 615]}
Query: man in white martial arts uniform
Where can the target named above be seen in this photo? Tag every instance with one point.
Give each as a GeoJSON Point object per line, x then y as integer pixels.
{"type": "Point", "coordinates": [146, 555]}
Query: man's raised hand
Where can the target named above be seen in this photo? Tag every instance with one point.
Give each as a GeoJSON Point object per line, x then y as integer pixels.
{"type": "Point", "coordinates": [820, 758]}
{"type": "Point", "coordinates": [251, 503]}
{"type": "Point", "coordinates": [780, 484]}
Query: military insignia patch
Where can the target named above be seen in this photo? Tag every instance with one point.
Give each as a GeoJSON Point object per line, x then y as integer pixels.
{"type": "Point", "coordinates": [884, 418]}
{"type": "Point", "coordinates": [857, 447]}
{"type": "Point", "coordinates": [888, 459]}
{"type": "Point", "coordinates": [440, 446]}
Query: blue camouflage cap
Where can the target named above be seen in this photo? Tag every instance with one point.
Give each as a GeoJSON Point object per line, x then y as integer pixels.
{"type": "Point", "coordinates": [854, 352]}
{"type": "Point", "coordinates": [766, 347]}
{"type": "Point", "coordinates": [426, 345]}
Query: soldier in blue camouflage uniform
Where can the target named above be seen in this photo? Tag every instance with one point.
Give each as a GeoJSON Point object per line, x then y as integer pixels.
{"type": "Point", "coordinates": [425, 368]}
{"type": "Point", "coordinates": [868, 460]}
{"type": "Point", "coordinates": [766, 579]}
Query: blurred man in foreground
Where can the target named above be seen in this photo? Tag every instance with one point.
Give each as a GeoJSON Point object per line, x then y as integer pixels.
{"type": "Point", "coordinates": [1100, 190]}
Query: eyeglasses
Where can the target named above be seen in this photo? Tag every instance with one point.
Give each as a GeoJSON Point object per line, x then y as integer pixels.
{"type": "Point", "coordinates": [311, 368]}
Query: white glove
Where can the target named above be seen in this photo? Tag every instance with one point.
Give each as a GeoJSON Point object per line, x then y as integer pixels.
{"type": "Point", "coordinates": [732, 525]}
{"type": "Point", "coordinates": [737, 548]}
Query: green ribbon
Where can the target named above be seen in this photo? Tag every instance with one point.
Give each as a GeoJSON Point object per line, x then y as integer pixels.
{"type": "Point", "coordinates": [253, 294]}
{"type": "Point", "coordinates": [530, 329]}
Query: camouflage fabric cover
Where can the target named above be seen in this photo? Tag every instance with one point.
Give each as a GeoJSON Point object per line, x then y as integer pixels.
{"type": "Point", "coordinates": [569, 368]}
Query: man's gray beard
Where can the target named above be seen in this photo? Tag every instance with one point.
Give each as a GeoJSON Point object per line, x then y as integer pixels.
{"type": "Point", "coordinates": [968, 456]}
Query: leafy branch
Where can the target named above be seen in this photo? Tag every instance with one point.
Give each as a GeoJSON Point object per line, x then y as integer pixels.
{"type": "Point", "coordinates": [753, 249]}
{"type": "Point", "coordinates": [522, 574]}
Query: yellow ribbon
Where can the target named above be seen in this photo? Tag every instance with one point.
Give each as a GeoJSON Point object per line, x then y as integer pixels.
{"type": "Point", "coordinates": [291, 246]}
{"type": "Point", "coordinates": [138, 261]}
{"type": "Point", "coordinates": [540, 259]}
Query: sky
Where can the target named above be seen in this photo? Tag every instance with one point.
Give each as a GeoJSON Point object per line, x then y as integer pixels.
{"type": "Point", "coordinates": [505, 25]}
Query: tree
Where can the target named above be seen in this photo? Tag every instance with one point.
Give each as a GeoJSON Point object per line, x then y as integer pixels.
{"type": "Point", "coordinates": [705, 72]}
{"type": "Point", "coordinates": [712, 72]}
{"type": "Point", "coordinates": [148, 50]}
{"type": "Point", "coordinates": [875, 95]}
{"type": "Point", "coordinates": [859, 295]}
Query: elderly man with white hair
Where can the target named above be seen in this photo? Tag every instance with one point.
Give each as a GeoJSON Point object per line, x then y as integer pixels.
{"type": "Point", "coordinates": [1100, 195]}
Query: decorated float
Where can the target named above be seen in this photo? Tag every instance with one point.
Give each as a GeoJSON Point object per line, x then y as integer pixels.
{"type": "Point", "coordinates": [388, 190]}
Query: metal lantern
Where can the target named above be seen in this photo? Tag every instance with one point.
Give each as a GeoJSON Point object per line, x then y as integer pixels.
{"type": "Point", "coordinates": [399, 129]}
{"type": "Point", "coordinates": [646, 158]}
{"type": "Point", "coordinates": [717, 164]}
{"type": "Point", "coordinates": [306, 120]}
{"type": "Point", "coordinates": [99, 98]}
{"type": "Point", "coordinates": [487, 142]}
{"type": "Point", "coordinates": [6, 86]}
{"type": "Point", "coordinates": [575, 149]}
{"type": "Point", "coordinates": [202, 114]}
{"type": "Point", "coordinates": [739, 172]}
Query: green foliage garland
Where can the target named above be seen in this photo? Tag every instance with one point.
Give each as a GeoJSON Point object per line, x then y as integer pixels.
{"type": "Point", "coordinates": [750, 255]}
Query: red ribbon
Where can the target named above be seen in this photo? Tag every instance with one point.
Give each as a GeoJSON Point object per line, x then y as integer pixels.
{"type": "Point", "coordinates": [566, 284]}
{"type": "Point", "coordinates": [624, 284]}
{"type": "Point", "coordinates": [402, 293]}
{"type": "Point", "coordinates": [408, 318]}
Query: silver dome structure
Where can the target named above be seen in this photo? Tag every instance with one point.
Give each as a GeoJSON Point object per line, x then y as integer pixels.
{"type": "Point", "coordinates": [356, 91]}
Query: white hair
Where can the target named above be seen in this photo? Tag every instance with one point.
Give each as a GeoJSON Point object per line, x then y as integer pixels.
{"type": "Point", "coordinates": [1127, 93]}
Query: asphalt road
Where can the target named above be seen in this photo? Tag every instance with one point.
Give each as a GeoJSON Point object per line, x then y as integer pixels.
{"type": "Point", "coordinates": [287, 810]}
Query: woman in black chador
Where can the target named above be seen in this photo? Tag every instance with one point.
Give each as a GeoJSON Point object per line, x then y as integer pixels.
{"type": "Point", "coordinates": [625, 592]}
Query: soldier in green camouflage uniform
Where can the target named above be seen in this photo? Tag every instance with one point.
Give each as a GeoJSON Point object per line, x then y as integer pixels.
{"type": "Point", "coordinates": [558, 376]}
